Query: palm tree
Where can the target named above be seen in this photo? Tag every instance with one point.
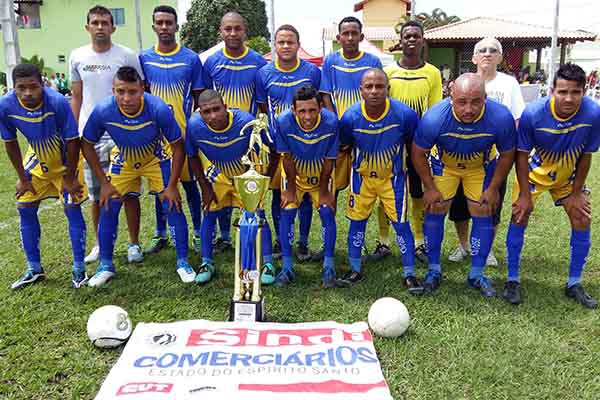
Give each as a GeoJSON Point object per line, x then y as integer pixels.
{"type": "Point", "coordinates": [438, 17]}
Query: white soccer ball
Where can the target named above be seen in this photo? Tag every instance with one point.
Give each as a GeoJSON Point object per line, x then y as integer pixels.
{"type": "Point", "coordinates": [389, 317]}
{"type": "Point", "coordinates": [109, 326]}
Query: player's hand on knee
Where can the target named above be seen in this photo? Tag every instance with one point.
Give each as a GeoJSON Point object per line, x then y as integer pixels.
{"type": "Point", "coordinates": [522, 208]}
{"type": "Point", "coordinates": [24, 186]}
{"type": "Point", "coordinates": [287, 197]}
{"type": "Point", "coordinates": [432, 198]}
{"type": "Point", "coordinates": [171, 195]}
{"type": "Point", "coordinates": [208, 197]}
{"type": "Point", "coordinates": [327, 199]}
{"type": "Point", "coordinates": [578, 206]}
{"type": "Point", "coordinates": [489, 200]}
{"type": "Point", "coordinates": [73, 187]}
{"type": "Point", "coordinates": [107, 192]}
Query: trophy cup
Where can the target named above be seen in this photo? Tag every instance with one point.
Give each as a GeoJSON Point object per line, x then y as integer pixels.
{"type": "Point", "coordinates": [247, 303]}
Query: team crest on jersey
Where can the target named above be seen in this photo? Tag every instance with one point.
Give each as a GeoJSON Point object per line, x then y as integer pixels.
{"type": "Point", "coordinates": [96, 68]}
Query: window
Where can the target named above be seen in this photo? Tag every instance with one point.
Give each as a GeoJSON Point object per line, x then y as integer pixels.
{"type": "Point", "coordinates": [28, 15]}
{"type": "Point", "coordinates": [61, 59]}
{"type": "Point", "coordinates": [118, 16]}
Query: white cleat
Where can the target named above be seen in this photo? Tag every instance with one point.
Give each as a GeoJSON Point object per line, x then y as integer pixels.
{"type": "Point", "coordinates": [186, 272]}
{"type": "Point", "coordinates": [101, 276]}
{"type": "Point", "coordinates": [134, 253]}
{"type": "Point", "coordinates": [93, 256]}
{"type": "Point", "coordinates": [459, 254]}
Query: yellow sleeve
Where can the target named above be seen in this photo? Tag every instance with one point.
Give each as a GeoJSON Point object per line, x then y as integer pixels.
{"type": "Point", "coordinates": [436, 87]}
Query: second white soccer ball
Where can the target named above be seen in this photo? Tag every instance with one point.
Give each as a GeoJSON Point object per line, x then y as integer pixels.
{"type": "Point", "coordinates": [109, 326]}
{"type": "Point", "coordinates": [388, 317]}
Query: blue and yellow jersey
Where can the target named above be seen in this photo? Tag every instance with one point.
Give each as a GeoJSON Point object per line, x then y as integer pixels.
{"type": "Point", "coordinates": [276, 87]}
{"type": "Point", "coordinates": [47, 128]}
{"type": "Point", "coordinates": [234, 77]}
{"type": "Point", "coordinates": [308, 148]}
{"type": "Point", "coordinates": [556, 144]}
{"type": "Point", "coordinates": [340, 77]}
{"type": "Point", "coordinates": [378, 144]}
{"type": "Point", "coordinates": [419, 88]}
{"type": "Point", "coordinates": [461, 146]}
{"type": "Point", "coordinates": [225, 148]}
{"type": "Point", "coordinates": [173, 77]}
{"type": "Point", "coordinates": [138, 138]}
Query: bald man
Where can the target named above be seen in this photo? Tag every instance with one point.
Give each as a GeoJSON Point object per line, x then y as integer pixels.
{"type": "Point", "coordinates": [457, 142]}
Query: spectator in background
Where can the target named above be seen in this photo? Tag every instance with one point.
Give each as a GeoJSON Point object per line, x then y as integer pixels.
{"type": "Point", "coordinates": [54, 82]}
{"type": "Point", "coordinates": [446, 73]}
{"type": "Point", "coordinates": [592, 79]}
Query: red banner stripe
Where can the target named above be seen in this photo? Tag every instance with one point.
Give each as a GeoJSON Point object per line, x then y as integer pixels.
{"type": "Point", "coordinates": [332, 386]}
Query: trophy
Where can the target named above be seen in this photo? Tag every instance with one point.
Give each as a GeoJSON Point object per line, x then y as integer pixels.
{"type": "Point", "coordinates": [247, 303]}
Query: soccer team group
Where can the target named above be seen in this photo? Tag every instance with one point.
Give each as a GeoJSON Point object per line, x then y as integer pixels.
{"type": "Point", "coordinates": [383, 134]}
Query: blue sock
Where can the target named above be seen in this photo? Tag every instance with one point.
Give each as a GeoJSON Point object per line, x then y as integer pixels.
{"type": "Point", "coordinates": [433, 228]}
{"type": "Point", "coordinates": [580, 248]}
{"type": "Point", "coordinates": [108, 226]}
{"type": "Point", "coordinates": [514, 245]}
{"type": "Point", "coordinates": [30, 236]}
{"type": "Point", "coordinates": [305, 213]}
{"type": "Point", "coordinates": [406, 243]}
{"type": "Point", "coordinates": [328, 263]}
{"type": "Point", "coordinates": [356, 238]}
{"type": "Point", "coordinates": [77, 234]}
{"type": "Point", "coordinates": [194, 200]}
{"type": "Point", "coordinates": [161, 219]}
{"type": "Point", "coordinates": [482, 235]}
{"type": "Point", "coordinates": [329, 235]}
{"type": "Point", "coordinates": [206, 233]}
{"type": "Point", "coordinates": [179, 231]}
{"type": "Point", "coordinates": [287, 237]}
{"type": "Point", "coordinates": [266, 238]}
{"type": "Point", "coordinates": [276, 211]}
{"type": "Point", "coordinates": [225, 223]}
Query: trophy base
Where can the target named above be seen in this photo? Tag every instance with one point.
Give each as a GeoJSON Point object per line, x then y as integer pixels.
{"type": "Point", "coordinates": [247, 311]}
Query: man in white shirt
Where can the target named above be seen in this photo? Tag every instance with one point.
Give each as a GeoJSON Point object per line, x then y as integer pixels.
{"type": "Point", "coordinates": [504, 89]}
{"type": "Point", "coordinates": [92, 68]}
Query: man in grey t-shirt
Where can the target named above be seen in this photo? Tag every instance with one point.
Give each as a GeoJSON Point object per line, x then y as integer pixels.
{"type": "Point", "coordinates": [92, 68]}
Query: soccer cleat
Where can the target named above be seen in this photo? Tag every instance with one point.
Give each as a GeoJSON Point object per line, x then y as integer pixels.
{"type": "Point", "coordinates": [134, 253]}
{"type": "Point", "coordinates": [483, 284]}
{"type": "Point", "coordinates": [284, 278]}
{"type": "Point", "coordinates": [491, 260]}
{"type": "Point", "coordinates": [185, 271]}
{"type": "Point", "coordinates": [276, 250]}
{"type": "Point", "coordinates": [413, 285]}
{"type": "Point", "coordinates": [578, 293]}
{"type": "Point", "coordinates": [205, 273]}
{"type": "Point", "coordinates": [317, 256]}
{"type": "Point", "coordinates": [302, 252]}
{"type": "Point", "coordinates": [197, 244]}
{"type": "Point", "coordinates": [157, 243]}
{"type": "Point", "coordinates": [381, 251]}
{"type": "Point", "coordinates": [432, 282]}
{"type": "Point", "coordinates": [222, 245]}
{"type": "Point", "coordinates": [102, 275]}
{"type": "Point", "coordinates": [459, 254]}
{"type": "Point", "coordinates": [329, 280]}
{"type": "Point", "coordinates": [93, 256]}
{"type": "Point", "coordinates": [421, 253]}
{"type": "Point", "coordinates": [28, 277]}
{"type": "Point", "coordinates": [352, 277]}
{"type": "Point", "coordinates": [267, 274]}
{"type": "Point", "coordinates": [512, 292]}
{"type": "Point", "coordinates": [78, 278]}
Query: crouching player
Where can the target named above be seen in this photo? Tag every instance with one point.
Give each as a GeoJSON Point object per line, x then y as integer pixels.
{"type": "Point", "coordinates": [456, 143]}
{"type": "Point", "coordinates": [217, 133]}
{"type": "Point", "coordinates": [138, 123]}
{"type": "Point", "coordinates": [307, 139]}
{"type": "Point", "coordinates": [49, 170]}
{"type": "Point", "coordinates": [556, 139]}
{"type": "Point", "coordinates": [379, 129]}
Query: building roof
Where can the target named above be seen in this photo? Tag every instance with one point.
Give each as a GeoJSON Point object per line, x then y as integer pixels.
{"type": "Point", "coordinates": [359, 6]}
{"type": "Point", "coordinates": [371, 33]}
{"type": "Point", "coordinates": [480, 27]}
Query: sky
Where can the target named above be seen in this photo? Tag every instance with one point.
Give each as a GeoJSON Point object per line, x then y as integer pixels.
{"type": "Point", "coordinates": [310, 16]}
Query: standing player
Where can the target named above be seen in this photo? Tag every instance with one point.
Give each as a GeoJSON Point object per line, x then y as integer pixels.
{"type": "Point", "coordinates": [216, 134]}
{"type": "Point", "coordinates": [419, 85]}
{"type": "Point", "coordinates": [49, 169]}
{"type": "Point", "coordinates": [307, 139]}
{"type": "Point", "coordinates": [173, 73]}
{"type": "Point", "coordinates": [504, 89]}
{"type": "Point", "coordinates": [557, 136]}
{"type": "Point", "coordinates": [232, 73]}
{"type": "Point", "coordinates": [138, 123]}
{"type": "Point", "coordinates": [460, 137]}
{"type": "Point", "coordinates": [92, 69]}
{"type": "Point", "coordinates": [276, 84]}
{"type": "Point", "coordinates": [379, 130]}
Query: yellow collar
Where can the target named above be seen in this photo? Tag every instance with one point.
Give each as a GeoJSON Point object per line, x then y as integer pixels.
{"type": "Point", "coordinates": [160, 53]}
{"type": "Point", "coordinates": [358, 57]}
{"type": "Point", "coordinates": [244, 53]}
{"type": "Point", "coordinates": [133, 115]}
{"type": "Point", "coordinates": [555, 115]}
{"type": "Point", "coordinates": [383, 114]}
{"type": "Point", "coordinates": [287, 70]}
{"type": "Point", "coordinates": [229, 123]}
{"type": "Point", "coordinates": [476, 119]}
{"type": "Point", "coordinates": [34, 108]}
{"type": "Point", "coordinates": [311, 129]}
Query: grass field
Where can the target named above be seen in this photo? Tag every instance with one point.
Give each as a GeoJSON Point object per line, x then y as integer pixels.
{"type": "Point", "coordinates": [460, 345]}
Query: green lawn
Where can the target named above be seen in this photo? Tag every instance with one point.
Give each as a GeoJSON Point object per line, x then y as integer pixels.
{"type": "Point", "coordinates": [460, 345]}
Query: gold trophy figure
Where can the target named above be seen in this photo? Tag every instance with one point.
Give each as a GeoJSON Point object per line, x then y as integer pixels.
{"type": "Point", "coordinates": [247, 303]}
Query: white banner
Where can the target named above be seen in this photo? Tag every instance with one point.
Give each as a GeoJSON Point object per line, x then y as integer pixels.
{"type": "Point", "coordinates": [248, 361]}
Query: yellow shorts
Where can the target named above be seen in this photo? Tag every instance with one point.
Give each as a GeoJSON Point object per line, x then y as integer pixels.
{"type": "Point", "coordinates": [49, 185]}
{"type": "Point", "coordinates": [301, 191]}
{"type": "Point", "coordinates": [559, 191]}
{"type": "Point", "coordinates": [364, 191]}
{"type": "Point", "coordinates": [128, 180]}
{"type": "Point", "coordinates": [474, 180]}
{"type": "Point", "coordinates": [276, 180]}
{"type": "Point", "coordinates": [186, 171]}
{"type": "Point", "coordinates": [343, 166]}
{"type": "Point", "coordinates": [227, 195]}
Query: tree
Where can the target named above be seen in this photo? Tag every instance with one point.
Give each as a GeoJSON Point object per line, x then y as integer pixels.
{"type": "Point", "coordinates": [437, 18]}
{"type": "Point", "coordinates": [201, 31]}
{"type": "Point", "coordinates": [259, 44]}
{"type": "Point", "coordinates": [35, 60]}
